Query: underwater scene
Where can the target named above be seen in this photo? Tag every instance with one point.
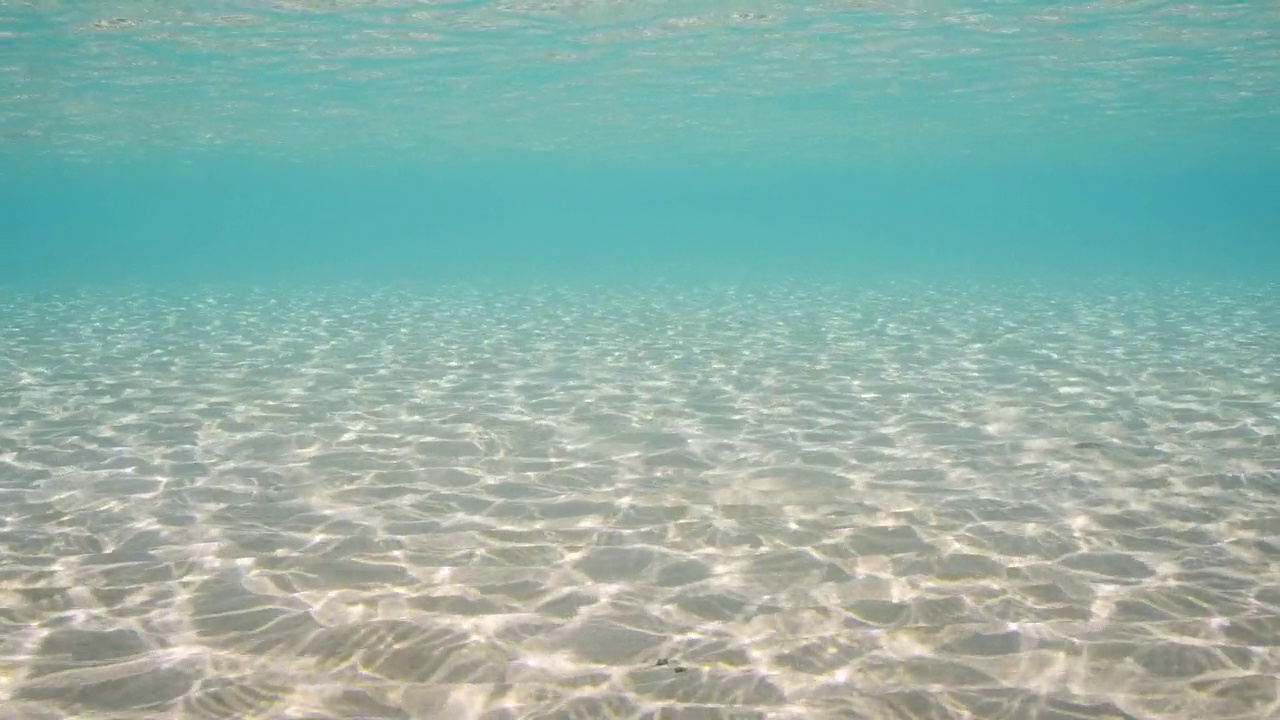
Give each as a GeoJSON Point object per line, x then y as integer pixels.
{"type": "Point", "coordinates": [649, 360]}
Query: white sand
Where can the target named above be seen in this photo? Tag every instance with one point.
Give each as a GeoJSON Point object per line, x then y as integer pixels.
{"type": "Point", "coordinates": [816, 503]}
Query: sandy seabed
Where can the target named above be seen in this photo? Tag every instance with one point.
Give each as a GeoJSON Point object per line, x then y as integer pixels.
{"type": "Point", "coordinates": [780, 501]}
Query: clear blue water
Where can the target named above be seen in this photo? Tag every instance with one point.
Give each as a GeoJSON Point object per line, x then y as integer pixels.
{"type": "Point", "coordinates": [578, 358]}
{"type": "Point", "coordinates": [218, 220]}
{"type": "Point", "coordinates": [228, 139]}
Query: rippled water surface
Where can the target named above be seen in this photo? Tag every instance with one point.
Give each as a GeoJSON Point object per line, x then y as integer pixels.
{"type": "Point", "coordinates": [777, 501]}
{"type": "Point", "coordinates": [855, 79]}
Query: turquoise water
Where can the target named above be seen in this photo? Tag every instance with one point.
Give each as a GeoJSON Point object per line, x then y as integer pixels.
{"type": "Point", "coordinates": [920, 138]}
{"type": "Point", "coordinates": [649, 360]}
{"type": "Point", "coordinates": [255, 220]}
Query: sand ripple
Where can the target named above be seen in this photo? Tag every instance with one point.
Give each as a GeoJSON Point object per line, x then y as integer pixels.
{"type": "Point", "coordinates": [747, 502]}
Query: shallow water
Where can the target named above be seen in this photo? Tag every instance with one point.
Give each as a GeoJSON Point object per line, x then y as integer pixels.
{"type": "Point", "coordinates": [862, 82]}
{"type": "Point", "coordinates": [773, 501]}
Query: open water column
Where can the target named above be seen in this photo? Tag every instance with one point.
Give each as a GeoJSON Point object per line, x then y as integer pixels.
{"type": "Point", "coordinates": [649, 360]}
